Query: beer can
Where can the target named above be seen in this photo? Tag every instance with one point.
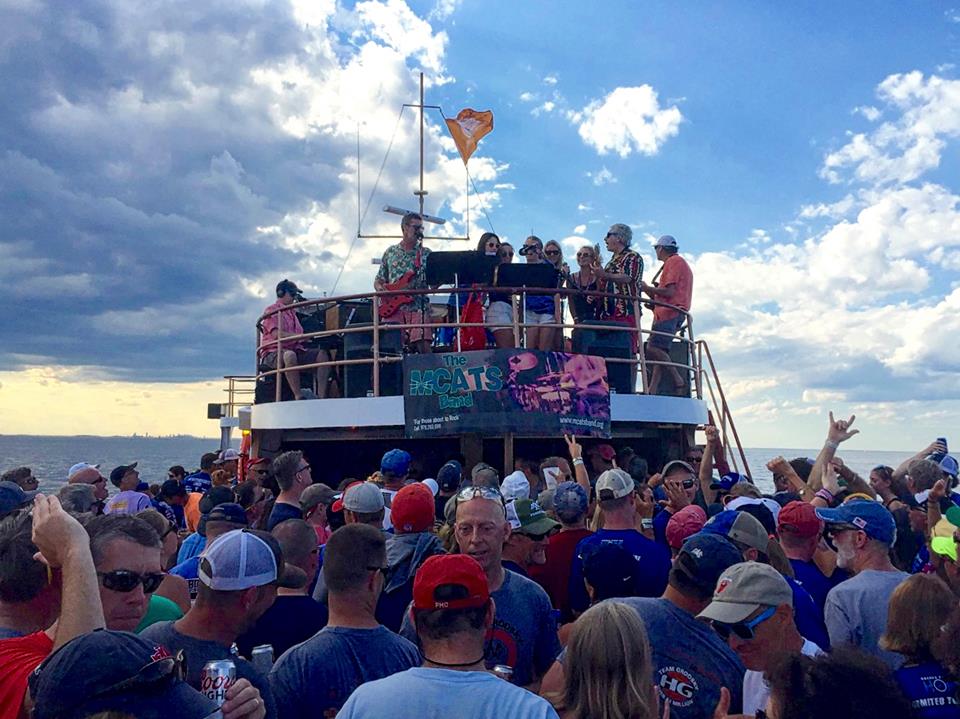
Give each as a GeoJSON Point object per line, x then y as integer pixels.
{"type": "Point", "coordinates": [217, 676]}
{"type": "Point", "coordinates": [262, 658]}
{"type": "Point", "coordinates": [504, 671]}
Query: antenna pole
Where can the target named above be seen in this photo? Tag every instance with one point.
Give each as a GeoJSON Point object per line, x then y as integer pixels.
{"type": "Point", "coordinates": [358, 178]}
{"type": "Point", "coordinates": [421, 193]}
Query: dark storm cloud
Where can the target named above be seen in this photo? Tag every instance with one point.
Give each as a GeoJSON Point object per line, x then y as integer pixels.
{"type": "Point", "coordinates": [137, 161]}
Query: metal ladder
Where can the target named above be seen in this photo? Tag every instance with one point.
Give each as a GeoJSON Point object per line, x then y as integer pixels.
{"type": "Point", "coordinates": [709, 378]}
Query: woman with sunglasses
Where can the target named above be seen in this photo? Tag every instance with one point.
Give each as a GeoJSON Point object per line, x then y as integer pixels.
{"type": "Point", "coordinates": [553, 254]}
{"type": "Point", "coordinates": [585, 308]}
{"type": "Point", "coordinates": [539, 309]}
{"type": "Point", "coordinates": [499, 317]}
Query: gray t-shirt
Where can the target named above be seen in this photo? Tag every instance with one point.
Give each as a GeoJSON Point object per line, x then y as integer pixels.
{"type": "Point", "coordinates": [856, 612]}
{"type": "Point", "coordinates": [690, 662]}
{"type": "Point", "coordinates": [314, 678]}
{"type": "Point", "coordinates": [198, 652]}
{"type": "Point", "coordinates": [524, 632]}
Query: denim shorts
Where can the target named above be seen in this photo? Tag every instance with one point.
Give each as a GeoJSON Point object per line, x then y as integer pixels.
{"type": "Point", "coordinates": [669, 328]}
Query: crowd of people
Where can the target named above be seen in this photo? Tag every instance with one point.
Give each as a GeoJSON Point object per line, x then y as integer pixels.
{"type": "Point", "coordinates": [584, 587]}
{"type": "Point", "coordinates": [601, 294]}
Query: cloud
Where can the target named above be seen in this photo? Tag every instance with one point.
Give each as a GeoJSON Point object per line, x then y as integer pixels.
{"type": "Point", "coordinates": [527, 97]}
{"type": "Point", "coordinates": [443, 9]}
{"type": "Point", "coordinates": [627, 120]}
{"type": "Point", "coordinates": [550, 80]}
{"type": "Point", "coordinates": [545, 107]}
{"type": "Point", "coordinates": [602, 177]}
{"type": "Point", "coordinates": [901, 150]}
{"type": "Point", "coordinates": [579, 229]}
{"type": "Point", "coordinates": [163, 167]}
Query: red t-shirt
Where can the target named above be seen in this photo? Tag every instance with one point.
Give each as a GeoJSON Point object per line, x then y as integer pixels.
{"type": "Point", "coordinates": [18, 658]}
{"type": "Point", "coordinates": [675, 272]}
{"type": "Point", "coordinates": [554, 576]}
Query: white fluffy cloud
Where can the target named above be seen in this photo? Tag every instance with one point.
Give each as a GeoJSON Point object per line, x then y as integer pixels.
{"type": "Point", "coordinates": [627, 120]}
{"type": "Point", "coordinates": [903, 149]}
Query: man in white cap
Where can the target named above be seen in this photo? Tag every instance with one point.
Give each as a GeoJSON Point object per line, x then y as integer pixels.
{"type": "Point", "coordinates": [674, 288]}
{"type": "Point", "coordinates": [84, 473]}
{"type": "Point", "coordinates": [239, 575]}
{"type": "Point", "coordinates": [752, 609]}
{"type": "Point", "coordinates": [228, 461]}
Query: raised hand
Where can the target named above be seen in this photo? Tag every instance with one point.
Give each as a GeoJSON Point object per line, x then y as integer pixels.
{"type": "Point", "coordinates": [831, 482]}
{"type": "Point", "coordinates": [55, 532]}
{"type": "Point", "coordinates": [938, 491]}
{"type": "Point", "coordinates": [778, 465]}
{"type": "Point", "coordinates": [712, 433]}
{"type": "Point", "coordinates": [677, 497]}
{"type": "Point", "coordinates": [839, 430]}
{"type": "Point", "coordinates": [576, 451]}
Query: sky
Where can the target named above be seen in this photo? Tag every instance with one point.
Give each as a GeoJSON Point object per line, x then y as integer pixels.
{"type": "Point", "coordinates": [163, 165]}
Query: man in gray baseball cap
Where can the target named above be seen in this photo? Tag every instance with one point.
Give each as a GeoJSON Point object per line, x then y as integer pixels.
{"type": "Point", "coordinates": [752, 609]}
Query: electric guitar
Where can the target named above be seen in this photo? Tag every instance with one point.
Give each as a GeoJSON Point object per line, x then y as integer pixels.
{"type": "Point", "coordinates": [650, 305]}
{"type": "Point", "coordinates": [389, 305]}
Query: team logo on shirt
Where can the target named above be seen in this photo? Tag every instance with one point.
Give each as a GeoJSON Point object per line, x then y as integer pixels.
{"type": "Point", "coordinates": [678, 686]}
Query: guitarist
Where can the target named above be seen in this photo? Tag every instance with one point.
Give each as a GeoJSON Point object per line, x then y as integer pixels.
{"type": "Point", "coordinates": [404, 266]}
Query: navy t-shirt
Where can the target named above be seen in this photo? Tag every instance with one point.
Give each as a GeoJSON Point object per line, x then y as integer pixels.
{"type": "Point", "coordinates": [314, 679]}
{"type": "Point", "coordinates": [808, 617]}
{"type": "Point", "coordinates": [282, 512]}
{"type": "Point", "coordinates": [809, 576]}
{"type": "Point", "coordinates": [289, 621]}
{"type": "Point", "coordinates": [198, 652]}
{"type": "Point", "coordinates": [931, 694]}
{"type": "Point", "coordinates": [690, 662]}
{"type": "Point", "coordinates": [653, 558]}
{"type": "Point", "coordinates": [524, 634]}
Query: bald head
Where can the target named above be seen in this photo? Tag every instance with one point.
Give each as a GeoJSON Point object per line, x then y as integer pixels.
{"type": "Point", "coordinates": [87, 475]}
{"type": "Point", "coordinates": [297, 539]}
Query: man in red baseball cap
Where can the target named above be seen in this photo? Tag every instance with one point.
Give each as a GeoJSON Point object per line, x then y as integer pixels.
{"type": "Point", "coordinates": [800, 529]}
{"type": "Point", "coordinates": [453, 613]}
{"type": "Point", "coordinates": [412, 542]}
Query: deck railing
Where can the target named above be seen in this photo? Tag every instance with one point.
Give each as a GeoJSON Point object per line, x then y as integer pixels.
{"type": "Point", "coordinates": [638, 361]}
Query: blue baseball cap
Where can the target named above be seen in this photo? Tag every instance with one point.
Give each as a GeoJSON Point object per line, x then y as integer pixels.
{"type": "Point", "coordinates": [396, 461]}
{"type": "Point", "coordinates": [570, 501]}
{"type": "Point", "coordinates": [726, 482]}
{"type": "Point", "coordinates": [864, 514]}
{"type": "Point", "coordinates": [108, 671]}
{"type": "Point", "coordinates": [949, 465]}
{"type": "Point", "coordinates": [704, 557]}
{"type": "Point", "coordinates": [449, 476]}
{"type": "Point", "coordinates": [13, 497]}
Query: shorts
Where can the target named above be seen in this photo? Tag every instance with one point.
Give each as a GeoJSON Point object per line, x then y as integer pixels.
{"type": "Point", "coordinates": [627, 321]}
{"type": "Point", "coordinates": [304, 356]}
{"type": "Point", "coordinates": [669, 327]}
{"type": "Point", "coordinates": [500, 316]}
{"type": "Point", "coordinates": [408, 316]}
{"type": "Point", "coordinates": [535, 318]}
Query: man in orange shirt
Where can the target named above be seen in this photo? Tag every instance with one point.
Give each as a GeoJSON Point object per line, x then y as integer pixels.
{"type": "Point", "coordinates": [676, 288]}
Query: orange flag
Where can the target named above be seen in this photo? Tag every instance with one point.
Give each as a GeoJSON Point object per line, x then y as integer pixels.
{"type": "Point", "coordinates": [467, 129]}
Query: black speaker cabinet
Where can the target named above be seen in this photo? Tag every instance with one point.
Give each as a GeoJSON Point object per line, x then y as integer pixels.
{"type": "Point", "coordinates": [607, 344]}
{"type": "Point", "coordinates": [358, 378]}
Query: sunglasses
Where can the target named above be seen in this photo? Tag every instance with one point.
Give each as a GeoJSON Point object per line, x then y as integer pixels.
{"type": "Point", "coordinates": [304, 468]}
{"type": "Point", "coordinates": [744, 630]}
{"type": "Point", "coordinates": [506, 254]}
{"type": "Point", "coordinates": [493, 244]}
{"type": "Point", "coordinates": [584, 254]}
{"type": "Point", "coordinates": [613, 234]}
{"type": "Point", "coordinates": [123, 580]}
{"type": "Point", "coordinates": [688, 483]}
{"type": "Point", "coordinates": [552, 252]}
{"type": "Point", "coordinates": [468, 493]}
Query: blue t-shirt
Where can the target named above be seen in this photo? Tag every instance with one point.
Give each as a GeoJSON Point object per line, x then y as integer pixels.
{"type": "Point", "coordinates": [690, 662]}
{"type": "Point", "coordinates": [198, 652]}
{"type": "Point", "coordinates": [165, 509]}
{"type": "Point", "coordinates": [524, 634]}
{"type": "Point", "coordinates": [192, 546]}
{"type": "Point", "coordinates": [189, 570]}
{"type": "Point", "coordinates": [421, 693]}
{"type": "Point", "coordinates": [198, 482]}
{"type": "Point", "coordinates": [282, 512]}
{"type": "Point", "coordinates": [932, 695]}
{"type": "Point", "coordinates": [653, 558]}
{"type": "Point", "coordinates": [314, 679]}
{"type": "Point", "coordinates": [660, 520]}
{"type": "Point", "coordinates": [808, 617]}
{"type": "Point", "coordinates": [818, 585]}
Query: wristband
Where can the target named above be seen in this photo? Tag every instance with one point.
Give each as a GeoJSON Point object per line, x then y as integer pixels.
{"type": "Point", "coordinates": [825, 494]}
{"type": "Point", "coordinates": [831, 444]}
{"type": "Point", "coordinates": [577, 460]}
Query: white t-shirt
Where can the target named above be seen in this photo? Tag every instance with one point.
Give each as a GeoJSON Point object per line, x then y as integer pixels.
{"type": "Point", "coordinates": [128, 502]}
{"type": "Point", "coordinates": [756, 691]}
{"type": "Point", "coordinates": [421, 693]}
{"type": "Point", "coordinates": [388, 495]}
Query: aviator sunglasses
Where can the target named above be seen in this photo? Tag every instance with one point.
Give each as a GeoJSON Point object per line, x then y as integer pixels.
{"type": "Point", "coordinates": [123, 580]}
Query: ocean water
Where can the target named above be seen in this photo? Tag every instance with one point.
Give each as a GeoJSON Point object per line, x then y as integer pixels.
{"type": "Point", "coordinates": [51, 457]}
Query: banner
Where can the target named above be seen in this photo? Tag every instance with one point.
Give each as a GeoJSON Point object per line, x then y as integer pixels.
{"type": "Point", "coordinates": [492, 392]}
{"type": "Point", "coordinates": [468, 128]}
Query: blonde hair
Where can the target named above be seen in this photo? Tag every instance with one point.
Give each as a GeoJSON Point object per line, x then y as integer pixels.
{"type": "Point", "coordinates": [918, 608]}
{"type": "Point", "coordinates": [609, 666]}
{"type": "Point", "coordinates": [557, 245]}
{"type": "Point", "coordinates": [219, 478]}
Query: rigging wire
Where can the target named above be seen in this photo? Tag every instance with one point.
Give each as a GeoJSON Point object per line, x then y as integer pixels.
{"type": "Point", "coordinates": [373, 192]}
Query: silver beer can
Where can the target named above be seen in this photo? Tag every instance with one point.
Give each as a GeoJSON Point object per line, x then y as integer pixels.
{"type": "Point", "coordinates": [217, 676]}
{"type": "Point", "coordinates": [262, 658]}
